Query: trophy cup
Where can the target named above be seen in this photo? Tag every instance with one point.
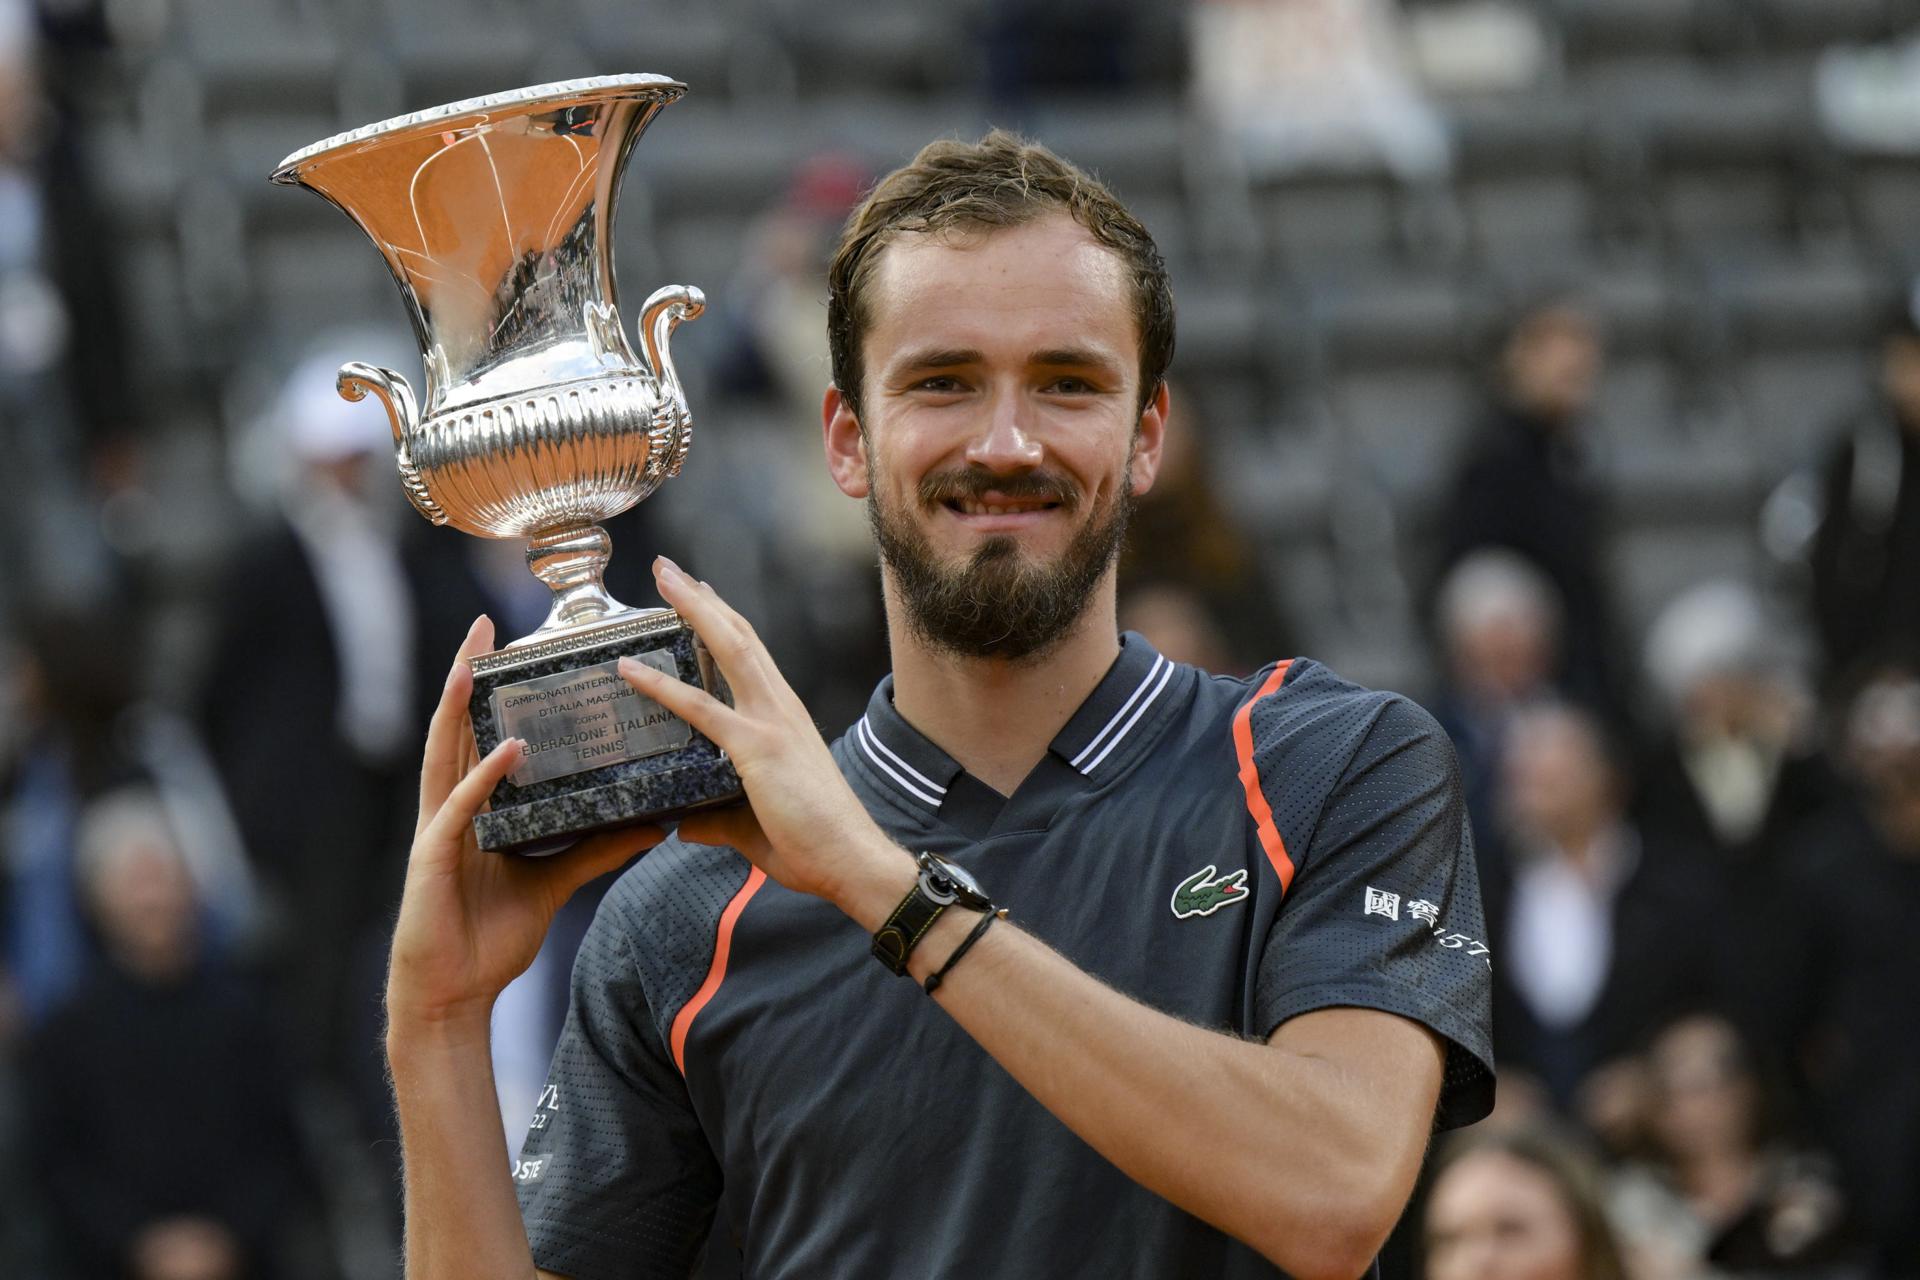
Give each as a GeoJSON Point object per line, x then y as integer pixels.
{"type": "Point", "coordinates": [495, 216]}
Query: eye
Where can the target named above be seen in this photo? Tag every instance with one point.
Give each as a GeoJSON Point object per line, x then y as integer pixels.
{"type": "Point", "coordinates": [1071, 387]}
{"type": "Point", "coordinates": [940, 384]}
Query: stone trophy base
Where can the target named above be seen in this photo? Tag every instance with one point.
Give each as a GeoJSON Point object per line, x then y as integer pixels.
{"type": "Point", "coordinates": [598, 755]}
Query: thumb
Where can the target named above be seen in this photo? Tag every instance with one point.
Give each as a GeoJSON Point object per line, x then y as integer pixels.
{"type": "Point", "coordinates": [595, 856]}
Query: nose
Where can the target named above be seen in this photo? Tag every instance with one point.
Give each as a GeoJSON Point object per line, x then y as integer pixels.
{"type": "Point", "coordinates": [1004, 444]}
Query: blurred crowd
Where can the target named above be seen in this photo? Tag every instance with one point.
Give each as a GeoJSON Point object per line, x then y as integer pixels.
{"type": "Point", "coordinates": [1699, 840]}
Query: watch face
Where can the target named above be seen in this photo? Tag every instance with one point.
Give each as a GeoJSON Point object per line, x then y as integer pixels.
{"type": "Point", "coordinates": [964, 879]}
{"type": "Point", "coordinates": [947, 882]}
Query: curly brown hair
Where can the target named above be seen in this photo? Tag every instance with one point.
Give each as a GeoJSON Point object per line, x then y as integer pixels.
{"type": "Point", "coordinates": [1002, 180]}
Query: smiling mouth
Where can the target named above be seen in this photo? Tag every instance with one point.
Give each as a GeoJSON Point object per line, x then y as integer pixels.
{"type": "Point", "coordinates": [971, 507]}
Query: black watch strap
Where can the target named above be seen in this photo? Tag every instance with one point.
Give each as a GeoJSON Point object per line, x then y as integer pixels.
{"type": "Point", "coordinates": [895, 940]}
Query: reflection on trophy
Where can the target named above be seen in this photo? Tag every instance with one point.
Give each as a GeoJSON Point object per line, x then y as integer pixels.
{"type": "Point", "coordinates": [539, 421]}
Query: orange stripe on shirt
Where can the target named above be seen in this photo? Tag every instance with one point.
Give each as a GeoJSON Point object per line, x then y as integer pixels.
{"type": "Point", "coordinates": [717, 971]}
{"type": "Point", "coordinates": [1250, 780]}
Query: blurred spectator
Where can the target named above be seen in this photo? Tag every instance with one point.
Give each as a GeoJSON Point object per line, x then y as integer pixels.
{"type": "Point", "coordinates": [310, 706]}
{"type": "Point", "coordinates": [1526, 484]}
{"type": "Point", "coordinates": [1735, 771]}
{"type": "Point", "coordinates": [1314, 84]}
{"type": "Point", "coordinates": [62, 383]}
{"type": "Point", "coordinates": [1721, 1188]}
{"type": "Point", "coordinates": [1605, 930]}
{"type": "Point", "coordinates": [160, 1122]}
{"type": "Point", "coordinates": [1517, 1205]}
{"type": "Point", "coordinates": [72, 679]}
{"type": "Point", "coordinates": [1857, 897]}
{"type": "Point", "coordinates": [1189, 569]}
{"type": "Point", "coordinates": [1866, 553]}
{"type": "Point", "coordinates": [1736, 765]}
{"type": "Point", "coordinates": [1176, 618]}
{"type": "Point", "coordinates": [777, 345]}
{"type": "Point", "coordinates": [810, 544]}
{"type": "Point", "coordinates": [76, 727]}
{"type": "Point", "coordinates": [1499, 623]}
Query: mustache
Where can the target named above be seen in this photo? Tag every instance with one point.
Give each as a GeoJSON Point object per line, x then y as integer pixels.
{"type": "Point", "coordinates": [973, 483]}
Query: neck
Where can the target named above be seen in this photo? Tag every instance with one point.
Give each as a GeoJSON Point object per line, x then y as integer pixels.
{"type": "Point", "coordinates": [997, 718]}
{"type": "Point", "coordinates": [1583, 841]}
{"type": "Point", "coordinates": [155, 964]}
{"type": "Point", "coordinates": [1720, 1182]}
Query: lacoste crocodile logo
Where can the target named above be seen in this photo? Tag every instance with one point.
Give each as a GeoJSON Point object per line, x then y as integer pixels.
{"type": "Point", "coordinates": [1200, 894]}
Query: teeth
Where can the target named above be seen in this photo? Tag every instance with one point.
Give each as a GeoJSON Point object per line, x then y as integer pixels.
{"type": "Point", "coordinates": [985, 509]}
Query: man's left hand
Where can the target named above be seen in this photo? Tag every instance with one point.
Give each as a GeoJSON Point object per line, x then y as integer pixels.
{"type": "Point", "coordinates": [802, 825]}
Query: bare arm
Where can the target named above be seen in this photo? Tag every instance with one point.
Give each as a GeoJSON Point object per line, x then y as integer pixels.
{"type": "Point", "coordinates": [470, 922]}
{"type": "Point", "coordinates": [461, 1215]}
{"type": "Point", "coordinates": [1305, 1148]}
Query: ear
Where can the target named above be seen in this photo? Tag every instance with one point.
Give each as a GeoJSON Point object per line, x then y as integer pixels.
{"type": "Point", "coordinates": [1148, 441]}
{"type": "Point", "coordinates": [846, 445]}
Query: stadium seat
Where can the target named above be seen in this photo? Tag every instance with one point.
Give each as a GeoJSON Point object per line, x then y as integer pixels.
{"type": "Point", "coordinates": [1603, 30]}
{"type": "Point", "coordinates": [1814, 24]}
{"type": "Point", "coordinates": [1406, 424]}
{"type": "Point", "coordinates": [260, 56]}
{"type": "Point", "coordinates": [1653, 563]}
{"type": "Point", "coordinates": [1308, 222]}
{"type": "Point", "coordinates": [1884, 197]}
{"type": "Point", "coordinates": [1799, 301]}
{"type": "Point", "coordinates": [1725, 157]}
{"type": "Point", "coordinates": [1523, 171]}
{"type": "Point", "coordinates": [1370, 318]}
{"type": "Point", "coordinates": [1796, 400]}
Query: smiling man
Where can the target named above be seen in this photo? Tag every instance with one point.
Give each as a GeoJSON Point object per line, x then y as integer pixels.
{"type": "Point", "coordinates": [1065, 959]}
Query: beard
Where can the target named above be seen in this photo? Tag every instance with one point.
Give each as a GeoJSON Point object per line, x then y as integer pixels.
{"type": "Point", "coordinates": [997, 604]}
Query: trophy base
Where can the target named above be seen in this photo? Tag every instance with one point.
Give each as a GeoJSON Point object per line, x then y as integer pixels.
{"type": "Point", "coordinates": [597, 754]}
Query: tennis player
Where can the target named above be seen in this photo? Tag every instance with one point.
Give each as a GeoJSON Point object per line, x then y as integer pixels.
{"type": "Point", "coordinates": [1065, 959]}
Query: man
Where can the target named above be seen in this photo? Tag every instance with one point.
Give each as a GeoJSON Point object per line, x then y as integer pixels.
{"type": "Point", "coordinates": [1867, 547]}
{"type": "Point", "coordinates": [166, 1048]}
{"type": "Point", "coordinates": [1498, 621]}
{"type": "Point", "coordinates": [1243, 966]}
{"type": "Point", "coordinates": [1598, 919]}
{"type": "Point", "coordinates": [1526, 483]}
{"type": "Point", "coordinates": [1855, 877]}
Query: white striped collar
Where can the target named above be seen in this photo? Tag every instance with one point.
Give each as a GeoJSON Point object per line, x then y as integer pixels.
{"type": "Point", "coordinates": [1119, 714]}
{"type": "Point", "coordinates": [898, 756]}
{"type": "Point", "coordinates": [1125, 700]}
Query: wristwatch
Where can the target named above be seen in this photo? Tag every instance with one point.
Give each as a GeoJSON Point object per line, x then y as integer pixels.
{"type": "Point", "coordinates": [941, 885]}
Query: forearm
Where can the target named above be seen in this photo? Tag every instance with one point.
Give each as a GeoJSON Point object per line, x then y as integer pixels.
{"type": "Point", "coordinates": [462, 1220]}
{"type": "Point", "coordinates": [1282, 1150]}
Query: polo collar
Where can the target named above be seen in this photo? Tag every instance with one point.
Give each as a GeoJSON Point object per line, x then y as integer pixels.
{"type": "Point", "coordinates": [1123, 701]}
{"type": "Point", "coordinates": [901, 758]}
{"type": "Point", "coordinates": [1097, 739]}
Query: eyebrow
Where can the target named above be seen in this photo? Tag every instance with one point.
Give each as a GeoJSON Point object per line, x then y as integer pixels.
{"type": "Point", "coordinates": [939, 358]}
{"type": "Point", "coordinates": [1052, 358]}
{"type": "Point", "coordinates": [1071, 357]}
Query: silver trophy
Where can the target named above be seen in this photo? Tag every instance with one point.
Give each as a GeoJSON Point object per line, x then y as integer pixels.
{"type": "Point", "coordinates": [539, 421]}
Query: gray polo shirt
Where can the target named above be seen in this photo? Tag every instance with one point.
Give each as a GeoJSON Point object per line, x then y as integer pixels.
{"type": "Point", "coordinates": [1234, 852]}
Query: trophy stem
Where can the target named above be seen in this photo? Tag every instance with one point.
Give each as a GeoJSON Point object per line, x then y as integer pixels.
{"type": "Point", "coordinates": [571, 560]}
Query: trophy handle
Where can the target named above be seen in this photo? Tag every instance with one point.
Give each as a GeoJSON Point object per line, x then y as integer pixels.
{"type": "Point", "coordinates": [669, 305]}
{"type": "Point", "coordinates": [403, 412]}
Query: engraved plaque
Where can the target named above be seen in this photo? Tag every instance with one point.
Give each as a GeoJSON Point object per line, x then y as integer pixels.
{"type": "Point", "coordinates": [579, 720]}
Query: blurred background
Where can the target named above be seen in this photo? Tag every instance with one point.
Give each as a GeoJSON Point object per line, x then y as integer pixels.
{"type": "Point", "coordinates": [1556, 362]}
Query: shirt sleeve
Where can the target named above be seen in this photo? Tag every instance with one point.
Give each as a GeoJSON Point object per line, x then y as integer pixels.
{"type": "Point", "coordinates": [616, 1178]}
{"type": "Point", "coordinates": [1384, 908]}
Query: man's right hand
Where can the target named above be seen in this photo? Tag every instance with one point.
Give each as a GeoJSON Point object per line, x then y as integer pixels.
{"type": "Point", "coordinates": [472, 921]}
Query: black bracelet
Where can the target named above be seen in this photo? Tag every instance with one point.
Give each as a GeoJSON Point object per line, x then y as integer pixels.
{"type": "Point", "coordinates": [933, 983]}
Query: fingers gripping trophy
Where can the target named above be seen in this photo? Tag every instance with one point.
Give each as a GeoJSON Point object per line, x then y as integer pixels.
{"type": "Point", "coordinates": [539, 421]}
